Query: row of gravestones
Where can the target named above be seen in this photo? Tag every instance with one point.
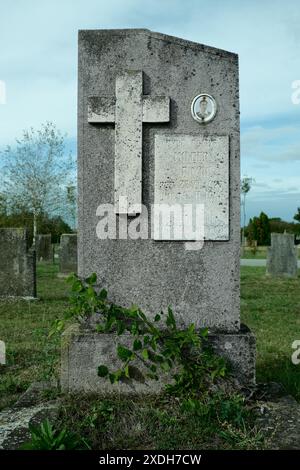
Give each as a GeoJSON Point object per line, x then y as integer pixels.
{"type": "Point", "coordinates": [18, 260]}
{"type": "Point", "coordinates": [45, 251]}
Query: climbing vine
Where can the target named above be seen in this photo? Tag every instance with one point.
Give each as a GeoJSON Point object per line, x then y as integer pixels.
{"type": "Point", "coordinates": [153, 347]}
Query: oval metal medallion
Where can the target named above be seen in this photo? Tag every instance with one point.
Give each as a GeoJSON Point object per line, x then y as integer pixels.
{"type": "Point", "coordinates": [203, 108]}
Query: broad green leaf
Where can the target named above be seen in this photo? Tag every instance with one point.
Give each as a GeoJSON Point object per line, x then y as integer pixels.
{"type": "Point", "coordinates": [123, 353]}
{"type": "Point", "coordinates": [146, 340]}
{"type": "Point", "coordinates": [137, 345]}
{"type": "Point", "coordinates": [91, 279]}
{"type": "Point", "coordinates": [102, 371]}
{"type": "Point", "coordinates": [102, 294]}
{"type": "Point", "coordinates": [112, 378]}
{"type": "Point", "coordinates": [120, 327]}
{"type": "Point", "coordinates": [145, 354]}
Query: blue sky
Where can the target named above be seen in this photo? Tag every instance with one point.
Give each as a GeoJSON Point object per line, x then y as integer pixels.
{"type": "Point", "coordinates": [38, 63]}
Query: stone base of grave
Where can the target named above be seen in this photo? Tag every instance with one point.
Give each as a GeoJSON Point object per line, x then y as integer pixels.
{"type": "Point", "coordinates": [84, 350]}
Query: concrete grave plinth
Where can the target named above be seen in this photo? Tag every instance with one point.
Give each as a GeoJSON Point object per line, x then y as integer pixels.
{"type": "Point", "coordinates": [158, 125]}
{"type": "Point", "coordinates": [17, 264]}
{"type": "Point", "coordinates": [83, 351]}
{"type": "Point", "coordinates": [68, 253]}
{"type": "Point", "coordinates": [282, 256]}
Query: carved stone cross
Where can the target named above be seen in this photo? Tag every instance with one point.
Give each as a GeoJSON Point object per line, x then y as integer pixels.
{"type": "Point", "coordinates": [128, 110]}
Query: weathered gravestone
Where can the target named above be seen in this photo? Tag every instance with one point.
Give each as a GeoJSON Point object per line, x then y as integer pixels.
{"type": "Point", "coordinates": [17, 264]}
{"type": "Point", "coordinates": [44, 248]}
{"type": "Point", "coordinates": [158, 129]}
{"type": "Point", "coordinates": [68, 253]}
{"type": "Point", "coordinates": [282, 256]}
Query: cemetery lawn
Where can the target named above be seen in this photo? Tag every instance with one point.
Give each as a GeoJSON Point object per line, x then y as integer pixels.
{"type": "Point", "coordinates": [261, 253]}
{"type": "Point", "coordinates": [270, 307]}
{"type": "Point", "coordinates": [24, 327]}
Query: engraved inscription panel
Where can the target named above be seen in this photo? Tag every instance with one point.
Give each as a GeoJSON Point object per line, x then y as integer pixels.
{"type": "Point", "coordinates": [192, 170]}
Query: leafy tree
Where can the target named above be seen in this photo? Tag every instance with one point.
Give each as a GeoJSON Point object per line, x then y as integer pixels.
{"type": "Point", "coordinates": [279, 226]}
{"type": "Point", "coordinates": [264, 231]}
{"type": "Point", "coordinates": [37, 172]}
{"type": "Point", "coordinates": [297, 216]}
{"type": "Point", "coordinates": [259, 229]}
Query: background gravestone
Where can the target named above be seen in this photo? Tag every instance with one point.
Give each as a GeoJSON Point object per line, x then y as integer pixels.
{"type": "Point", "coordinates": [17, 264]}
{"type": "Point", "coordinates": [68, 253]}
{"type": "Point", "coordinates": [137, 138]}
{"type": "Point", "coordinates": [44, 249]}
{"type": "Point", "coordinates": [282, 256]}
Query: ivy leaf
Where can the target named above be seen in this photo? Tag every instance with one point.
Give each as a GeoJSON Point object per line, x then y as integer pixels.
{"type": "Point", "coordinates": [120, 327]}
{"type": "Point", "coordinates": [112, 378]}
{"type": "Point", "coordinates": [102, 294]}
{"type": "Point", "coordinates": [91, 279]}
{"type": "Point", "coordinates": [90, 292]}
{"type": "Point", "coordinates": [123, 353]}
{"type": "Point", "coordinates": [102, 371]}
{"type": "Point", "coordinates": [146, 340]}
{"type": "Point", "coordinates": [77, 286]}
{"type": "Point", "coordinates": [165, 366]}
{"type": "Point", "coordinates": [153, 344]}
{"type": "Point", "coordinates": [158, 358]}
{"type": "Point", "coordinates": [145, 354]}
{"type": "Point", "coordinates": [133, 311]}
{"type": "Point", "coordinates": [100, 328]}
{"type": "Point", "coordinates": [137, 345]}
{"type": "Point", "coordinates": [134, 328]}
{"type": "Point", "coordinates": [109, 323]}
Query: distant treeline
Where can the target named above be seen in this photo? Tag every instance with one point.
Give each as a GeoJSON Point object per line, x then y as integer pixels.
{"type": "Point", "coordinates": [261, 227]}
{"type": "Point", "coordinates": [54, 225]}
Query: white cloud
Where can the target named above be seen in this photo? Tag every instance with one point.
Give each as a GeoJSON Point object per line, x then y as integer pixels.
{"type": "Point", "coordinates": [278, 143]}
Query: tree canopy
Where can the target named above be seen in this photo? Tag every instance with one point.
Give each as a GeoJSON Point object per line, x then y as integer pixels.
{"type": "Point", "coordinates": [37, 175]}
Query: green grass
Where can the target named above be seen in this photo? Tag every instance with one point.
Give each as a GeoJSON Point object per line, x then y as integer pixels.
{"type": "Point", "coordinates": [260, 253]}
{"type": "Point", "coordinates": [155, 423]}
{"type": "Point", "coordinates": [270, 307]}
{"type": "Point", "coordinates": [24, 328]}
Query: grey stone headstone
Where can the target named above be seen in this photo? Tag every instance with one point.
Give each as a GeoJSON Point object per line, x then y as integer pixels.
{"type": "Point", "coordinates": [282, 256]}
{"type": "Point", "coordinates": [202, 286]}
{"type": "Point", "coordinates": [68, 253]}
{"type": "Point", "coordinates": [158, 125]}
{"type": "Point", "coordinates": [44, 248]}
{"type": "Point", "coordinates": [17, 264]}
